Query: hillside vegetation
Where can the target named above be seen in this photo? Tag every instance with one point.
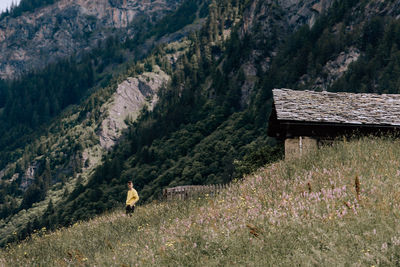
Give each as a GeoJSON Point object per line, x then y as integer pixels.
{"type": "Point", "coordinates": [211, 119]}
{"type": "Point", "coordinates": [52, 121]}
{"type": "Point", "coordinates": [338, 206]}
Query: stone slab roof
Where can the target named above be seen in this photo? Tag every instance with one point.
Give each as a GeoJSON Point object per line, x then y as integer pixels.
{"type": "Point", "coordinates": [346, 108]}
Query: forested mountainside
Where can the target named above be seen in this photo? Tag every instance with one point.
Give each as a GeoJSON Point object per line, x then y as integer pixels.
{"type": "Point", "coordinates": [205, 96]}
{"type": "Point", "coordinates": [57, 122]}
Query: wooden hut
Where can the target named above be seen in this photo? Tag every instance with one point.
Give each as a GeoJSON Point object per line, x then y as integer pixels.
{"type": "Point", "coordinates": [306, 119]}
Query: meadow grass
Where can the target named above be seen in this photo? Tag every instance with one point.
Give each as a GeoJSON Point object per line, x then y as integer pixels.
{"type": "Point", "coordinates": [339, 206]}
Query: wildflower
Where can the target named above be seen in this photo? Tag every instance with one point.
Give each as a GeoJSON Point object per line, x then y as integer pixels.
{"type": "Point", "coordinates": [395, 241]}
{"type": "Point", "coordinates": [170, 244]}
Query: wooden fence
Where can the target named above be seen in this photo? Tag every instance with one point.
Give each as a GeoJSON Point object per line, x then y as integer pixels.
{"type": "Point", "coordinates": [188, 191]}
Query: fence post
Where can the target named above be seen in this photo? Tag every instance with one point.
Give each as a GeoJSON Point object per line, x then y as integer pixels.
{"type": "Point", "coordinates": [189, 191]}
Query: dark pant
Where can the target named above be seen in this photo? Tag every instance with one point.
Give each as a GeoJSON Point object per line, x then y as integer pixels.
{"type": "Point", "coordinates": [130, 210]}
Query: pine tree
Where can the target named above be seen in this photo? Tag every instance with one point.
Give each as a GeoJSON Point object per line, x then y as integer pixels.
{"type": "Point", "coordinates": [47, 174]}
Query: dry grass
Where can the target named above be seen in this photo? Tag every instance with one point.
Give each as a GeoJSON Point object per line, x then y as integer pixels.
{"type": "Point", "coordinates": [339, 206]}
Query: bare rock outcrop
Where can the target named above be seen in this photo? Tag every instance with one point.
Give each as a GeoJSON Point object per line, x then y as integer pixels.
{"type": "Point", "coordinates": [333, 70]}
{"type": "Point", "coordinates": [130, 97]}
{"type": "Point", "coordinates": [285, 15]}
{"type": "Point", "coordinates": [270, 22]}
{"type": "Point", "coordinates": [29, 175]}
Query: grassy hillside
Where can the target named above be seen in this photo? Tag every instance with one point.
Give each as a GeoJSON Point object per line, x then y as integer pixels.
{"type": "Point", "coordinates": [339, 206]}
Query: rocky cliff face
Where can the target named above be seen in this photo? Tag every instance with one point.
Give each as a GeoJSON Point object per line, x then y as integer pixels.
{"type": "Point", "coordinates": [332, 71]}
{"type": "Point", "coordinates": [122, 107]}
{"type": "Point", "coordinates": [270, 22]}
{"type": "Point", "coordinates": [34, 39]}
{"type": "Point", "coordinates": [267, 17]}
{"type": "Point", "coordinates": [126, 103]}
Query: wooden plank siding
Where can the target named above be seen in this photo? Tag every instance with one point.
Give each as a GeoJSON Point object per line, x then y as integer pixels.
{"type": "Point", "coordinates": [189, 191]}
{"type": "Point", "coordinates": [304, 120]}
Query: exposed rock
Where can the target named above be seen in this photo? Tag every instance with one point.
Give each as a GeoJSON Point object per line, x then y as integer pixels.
{"type": "Point", "coordinates": [126, 103]}
{"type": "Point", "coordinates": [250, 72]}
{"type": "Point", "coordinates": [283, 15]}
{"type": "Point", "coordinates": [34, 39]}
{"type": "Point", "coordinates": [270, 22]}
{"type": "Point", "coordinates": [29, 174]}
{"type": "Point", "coordinates": [333, 70]}
{"type": "Point", "coordinates": [14, 177]}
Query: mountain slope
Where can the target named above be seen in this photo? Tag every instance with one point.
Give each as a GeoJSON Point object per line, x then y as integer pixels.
{"type": "Point", "coordinates": [33, 40]}
{"type": "Point", "coordinates": [338, 206]}
{"type": "Point", "coordinates": [210, 121]}
{"type": "Point", "coordinates": [43, 163]}
{"type": "Point", "coordinates": [209, 125]}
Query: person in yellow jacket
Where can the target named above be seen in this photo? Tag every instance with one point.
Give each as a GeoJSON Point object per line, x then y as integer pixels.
{"type": "Point", "coordinates": [131, 199]}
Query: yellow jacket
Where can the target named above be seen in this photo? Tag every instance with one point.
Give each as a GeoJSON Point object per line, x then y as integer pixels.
{"type": "Point", "coordinates": [132, 197]}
